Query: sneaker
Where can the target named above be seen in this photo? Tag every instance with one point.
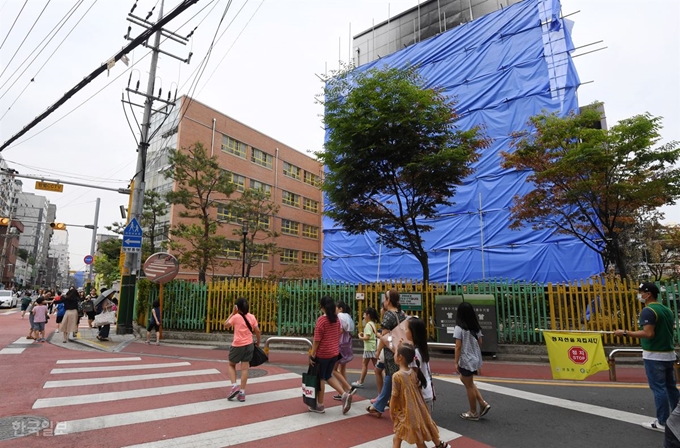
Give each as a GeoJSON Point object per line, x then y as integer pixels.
{"type": "Point", "coordinates": [357, 385]}
{"type": "Point", "coordinates": [337, 397]}
{"type": "Point", "coordinates": [346, 402]}
{"type": "Point", "coordinates": [319, 409]}
{"type": "Point", "coordinates": [56, 331]}
{"type": "Point", "coordinates": [353, 390]}
{"type": "Point", "coordinates": [234, 391]}
{"type": "Point", "coordinates": [654, 426]}
{"type": "Point", "coordinates": [241, 396]}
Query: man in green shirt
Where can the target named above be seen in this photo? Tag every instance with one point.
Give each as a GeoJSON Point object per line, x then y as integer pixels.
{"type": "Point", "coordinates": [658, 353]}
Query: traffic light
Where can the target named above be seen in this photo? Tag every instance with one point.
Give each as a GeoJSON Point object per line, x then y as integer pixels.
{"type": "Point", "coordinates": [58, 225]}
{"type": "Point", "coordinates": [4, 221]}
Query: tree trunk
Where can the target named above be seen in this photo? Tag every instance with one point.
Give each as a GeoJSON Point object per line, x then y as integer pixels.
{"type": "Point", "coordinates": [424, 263]}
{"type": "Point", "coordinates": [617, 255]}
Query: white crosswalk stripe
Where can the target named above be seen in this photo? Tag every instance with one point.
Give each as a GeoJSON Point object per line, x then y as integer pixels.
{"type": "Point", "coordinates": [16, 350]}
{"type": "Point", "coordinates": [97, 360]}
{"type": "Point", "coordinates": [115, 368]}
{"type": "Point", "coordinates": [116, 379]}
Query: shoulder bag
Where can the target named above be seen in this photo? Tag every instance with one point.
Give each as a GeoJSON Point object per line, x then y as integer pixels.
{"type": "Point", "coordinates": [397, 335]}
{"type": "Point", "coordinates": [259, 356]}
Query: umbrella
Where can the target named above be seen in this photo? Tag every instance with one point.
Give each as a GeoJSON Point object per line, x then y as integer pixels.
{"type": "Point", "coordinates": [104, 295]}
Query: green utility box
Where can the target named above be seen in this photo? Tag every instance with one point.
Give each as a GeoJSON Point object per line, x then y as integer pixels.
{"type": "Point", "coordinates": [445, 310]}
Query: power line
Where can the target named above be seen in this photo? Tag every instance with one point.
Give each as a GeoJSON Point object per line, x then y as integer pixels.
{"type": "Point", "coordinates": [58, 27]}
{"type": "Point", "coordinates": [26, 37]}
{"type": "Point", "coordinates": [135, 43]}
{"type": "Point", "coordinates": [48, 59]}
{"type": "Point", "coordinates": [14, 23]}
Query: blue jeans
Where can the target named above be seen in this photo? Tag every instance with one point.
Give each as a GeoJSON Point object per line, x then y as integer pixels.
{"type": "Point", "coordinates": [384, 396]}
{"type": "Point", "coordinates": [661, 379]}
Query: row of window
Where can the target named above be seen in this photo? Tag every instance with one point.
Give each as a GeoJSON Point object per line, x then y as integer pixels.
{"type": "Point", "coordinates": [288, 198]}
{"type": "Point", "coordinates": [286, 256]}
{"type": "Point", "coordinates": [264, 159]}
{"type": "Point", "coordinates": [288, 227]}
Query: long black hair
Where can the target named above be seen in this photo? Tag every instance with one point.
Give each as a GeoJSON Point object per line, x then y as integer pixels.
{"type": "Point", "coordinates": [343, 306]}
{"type": "Point", "coordinates": [466, 318]}
{"type": "Point", "coordinates": [419, 335]}
{"type": "Point", "coordinates": [242, 305]}
{"type": "Point", "coordinates": [328, 304]}
{"type": "Point", "coordinates": [372, 313]}
{"type": "Point", "coordinates": [409, 353]}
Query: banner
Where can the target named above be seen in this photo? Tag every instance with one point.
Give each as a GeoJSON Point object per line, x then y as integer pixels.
{"type": "Point", "coordinates": [575, 356]}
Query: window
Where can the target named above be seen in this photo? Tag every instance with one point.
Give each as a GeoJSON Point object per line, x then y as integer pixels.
{"type": "Point", "coordinates": [233, 146]}
{"type": "Point", "coordinates": [237, 180]}
{"type": "Point", "coordinates": [291, 170]}
{"type": "Point", "coordinates": [310, 258]}
{"type": "Point", "coordinates": [264, 222]}
{"type": "Point", "coordinates": [257, 185]}
{"type": "Point", "coordinates": [312, 179]}
{"type": "Point", "coordinates": [291, 199]}
{"type": "Point", "coordinates": [289, 256]}
{"type": "Point", "coordinates": [226, 214]}
{"type": "Point", "coordinates": [310, 205]}
{"type": "Point", "coordinates": [290, 227]}
{"type": "Point", "coordinates": [310, 231]}
{"type": "Point", "coordinates": [261, 158]}
{"type": "Point", "coordinates": [260, 256]}
{"type": "Point", "coordinates": [232, 249]}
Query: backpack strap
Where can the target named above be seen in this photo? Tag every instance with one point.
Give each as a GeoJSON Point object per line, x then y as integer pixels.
{"type": "Point", "coordinates": [247, 323]}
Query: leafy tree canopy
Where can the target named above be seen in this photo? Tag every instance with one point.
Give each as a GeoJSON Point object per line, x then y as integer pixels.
{"type": "Point", "coordinates": [393, 154]}
{"type": "Point", "coordinates": [593, 183]}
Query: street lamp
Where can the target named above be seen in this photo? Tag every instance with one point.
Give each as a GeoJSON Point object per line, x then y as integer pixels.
{"type": "Point", "coordinates": [244, 230]}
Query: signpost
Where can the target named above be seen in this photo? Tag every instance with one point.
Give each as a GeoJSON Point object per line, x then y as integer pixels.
{"type": "Point", "coordinates": [132, 237]}
{"type": "Point", "coordinates": [160, 268]}
{"type": "Point", "coordinates": [88, 259]}
{"type": "Point", "coordinates": [48, 186]}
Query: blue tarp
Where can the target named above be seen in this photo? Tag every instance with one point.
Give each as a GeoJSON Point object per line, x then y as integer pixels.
{"type": "Point", "coordinates": [501, 69]}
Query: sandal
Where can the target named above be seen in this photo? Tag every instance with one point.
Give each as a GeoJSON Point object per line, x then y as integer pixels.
{"type": "Point", "coordinates": [373, 411]}
{"type": "Point", "coordinates": [443, 444]}
{"type": "Point", "coordinates": [469, 416]}
{"type": "Point", "coordinates": [485, 410]}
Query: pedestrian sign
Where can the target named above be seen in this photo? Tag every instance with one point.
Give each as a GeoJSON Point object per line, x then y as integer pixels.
{"type": "Point", "coordinates": [132, 237]}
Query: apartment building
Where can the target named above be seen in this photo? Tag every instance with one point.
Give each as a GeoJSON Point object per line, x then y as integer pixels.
{"type": "Point", "coordinates": [252, 160]}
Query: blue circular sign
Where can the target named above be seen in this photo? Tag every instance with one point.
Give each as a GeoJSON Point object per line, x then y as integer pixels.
{"type": "Point", "coordinates": [88, 259]}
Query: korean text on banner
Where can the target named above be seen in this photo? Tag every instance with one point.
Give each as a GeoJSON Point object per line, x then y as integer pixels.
{"type": "Point", "coordinates": [575, 356]}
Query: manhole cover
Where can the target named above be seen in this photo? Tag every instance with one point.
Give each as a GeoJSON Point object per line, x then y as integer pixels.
{"type": "Point", "coordinates": [256, 373]}
{"type": "Point", "coordinates": [22, 426]}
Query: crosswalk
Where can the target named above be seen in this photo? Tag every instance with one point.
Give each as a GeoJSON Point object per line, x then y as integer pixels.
{"type": "Point", "coordinates": [17, 348]}
{"type": "Point", "coordinates": [156, 402]}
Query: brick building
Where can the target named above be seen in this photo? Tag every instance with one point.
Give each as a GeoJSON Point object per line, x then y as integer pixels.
{"type": "Point", "coordinates": [253, 160]}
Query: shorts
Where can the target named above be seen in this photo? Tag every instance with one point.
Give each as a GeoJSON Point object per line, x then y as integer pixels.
{"type": "Point", "coordinates": [466, 372]}
{"type": "Point", "coordinates": [24, 307]}
{"type": "Point", "coordinates": [326, 367]}
{"type": "Point", "coordinates": [369, 355]}
{"type": "Point", "coordinates": [60, 318]}
{"type": "Point", "coordinates": [39, 326]}
{"type": "Point", "coordinates": [90, 315]}
{"type": "Point", "coordinates": [241, 354]}
{"type": "Point", "coordinates": [380, 365]}
{"type": "Point", "coordinates": [153, 326]}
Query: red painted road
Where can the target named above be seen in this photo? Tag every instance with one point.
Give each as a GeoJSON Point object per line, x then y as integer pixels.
{"type": "Point", "coordinates": [90, 405]}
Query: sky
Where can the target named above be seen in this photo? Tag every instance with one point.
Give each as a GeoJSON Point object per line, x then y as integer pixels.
{"type": "Point", "coordinates": [263, 70]}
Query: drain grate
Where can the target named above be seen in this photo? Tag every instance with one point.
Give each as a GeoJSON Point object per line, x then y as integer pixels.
{"type": "Point", "coordinates": [22, 426]}
{"type": "Point", "coordinates": [255, 373]}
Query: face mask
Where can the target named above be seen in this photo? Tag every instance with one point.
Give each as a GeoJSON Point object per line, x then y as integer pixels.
{"type": "Point", "coordinates": [640, 298]}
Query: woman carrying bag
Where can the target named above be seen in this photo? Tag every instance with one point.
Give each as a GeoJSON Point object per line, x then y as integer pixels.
{"type": "Point", "coordinates": [242, 347]}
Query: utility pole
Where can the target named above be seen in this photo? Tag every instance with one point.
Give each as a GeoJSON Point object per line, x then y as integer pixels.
{"type": "Point", "coordinates": [92, 244]}
{"type": "Point", "coordinates": [133, 263]}
{"type": "Point", "coordinates": [8, 232]}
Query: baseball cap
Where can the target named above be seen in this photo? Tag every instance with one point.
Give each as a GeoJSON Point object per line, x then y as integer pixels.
{"type": "Point", "coordinates": [649, 287]}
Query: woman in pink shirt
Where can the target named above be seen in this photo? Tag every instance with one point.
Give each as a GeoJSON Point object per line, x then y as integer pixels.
{"type": "Point", "coordinates": [242, 347]}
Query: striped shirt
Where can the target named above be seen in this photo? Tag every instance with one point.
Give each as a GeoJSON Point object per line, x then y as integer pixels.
{"type": "Point", "coordinates": [328, 335]}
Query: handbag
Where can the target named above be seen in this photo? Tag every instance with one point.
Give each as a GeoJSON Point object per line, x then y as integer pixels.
{"type": "Point", "coordinates": [346, 351]}
{"type": "Point", "coordinates": [105, 318]}
{"type": "Point", "coordinates": [259, 356]}
{"type": "Point", "coordinates": [397, 335]}
{"type": "Point", "coordinates": [311, 386]}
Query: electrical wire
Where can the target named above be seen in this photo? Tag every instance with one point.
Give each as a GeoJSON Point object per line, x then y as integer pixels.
{"type": "Point", "coordinates": [25, 37]}
{"type": "Point", "coordinates": [48, 59]}
{"type": "Point", "coordinates": [14, 23]}
{"type": "Point", "coordinates": [56, 27]}
{"type": "Point", "coordinates": [67, 174]}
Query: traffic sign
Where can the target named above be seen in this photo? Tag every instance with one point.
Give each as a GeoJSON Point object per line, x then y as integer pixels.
{"type": "Point", "coordinates": [132, 237]}
{"type": "Point", "coordinates": [88, 259]}
{"type": "Point", "coordinates": [48, 186]}
{"type": "Point", "coordinates": [161, 267]}
{"type": "Point", "coordinates": [578, 355]}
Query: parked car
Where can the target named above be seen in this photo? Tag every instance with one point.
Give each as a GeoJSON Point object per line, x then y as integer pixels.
{"type": "Point", "coordinates": [8, 299]}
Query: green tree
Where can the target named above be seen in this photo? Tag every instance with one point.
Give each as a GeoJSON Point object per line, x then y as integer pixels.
{"type": "Point", "coordinates": [155, 207]}
{"type": "Point", "coordinates": [201, 186]}
{"type": "Point", "coordinates": [393, 155]}
{"type": "Point", "coordinates": [593, 183]}
{"type": "Point", "coordinates": [107, 264]}
{"type": "Point", "coordinates": [660, 246]}
{"type": "Point", "coordinates": [255, 211]}
{"type": "Point", "coordinates": [23, 254]}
